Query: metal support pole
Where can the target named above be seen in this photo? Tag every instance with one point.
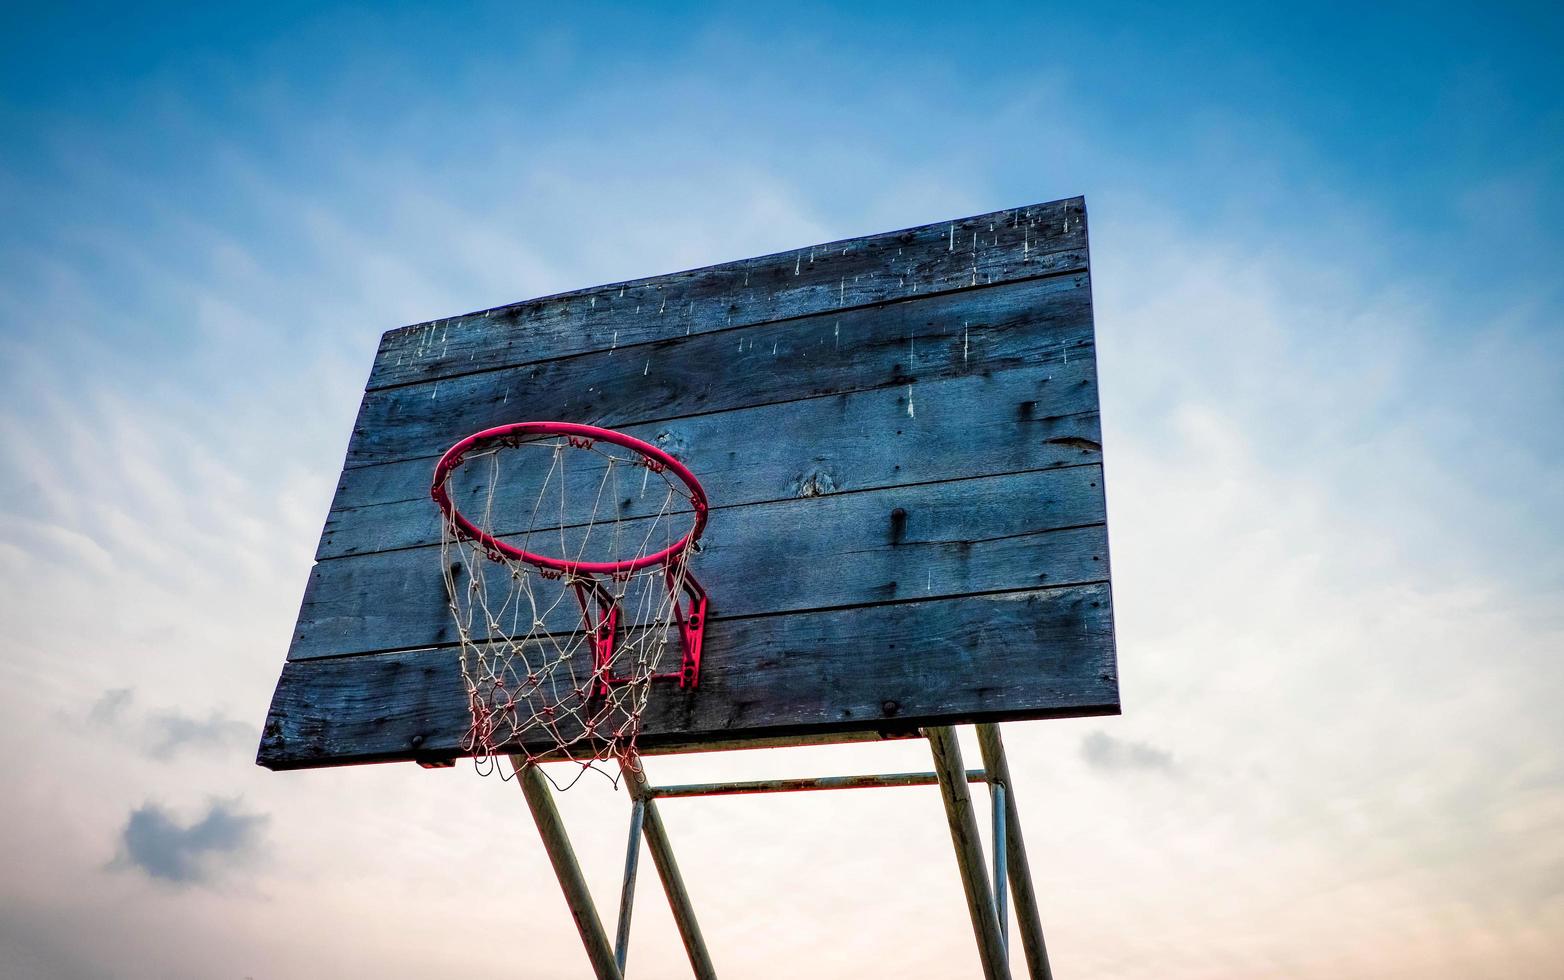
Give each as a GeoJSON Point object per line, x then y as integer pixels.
{"type": "Point", "coordinates": [1001, 906]}
{"type": "Point", "coordinates": [969, 850]}
{"type": "Point", "coordinates": [1028, 918]}
{"type": "Point", "coordinates": [988, 907]}
{"type": "Point", "coordinates": [668, 870]}
{"type": "Point", "coordinates": [562, 856]}
{"type": "Point", "coordinates": [627, 891]}
{"type": "Point", "coordinates": [805, 785]}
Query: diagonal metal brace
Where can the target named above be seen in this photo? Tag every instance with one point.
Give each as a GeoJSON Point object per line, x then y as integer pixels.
{"type": "Point", "coordinates": [562, 856]}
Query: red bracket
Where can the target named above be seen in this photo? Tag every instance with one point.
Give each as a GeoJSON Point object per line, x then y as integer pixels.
{"type": "Point", "coordinates": [600, 616]}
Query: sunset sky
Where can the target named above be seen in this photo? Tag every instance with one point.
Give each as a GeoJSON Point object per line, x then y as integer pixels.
{"type": "Point", "coordinates": [1326, 250]}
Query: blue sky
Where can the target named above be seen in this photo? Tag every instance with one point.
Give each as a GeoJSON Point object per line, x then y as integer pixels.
{"type": "Point", "coordinates": [1325, 251]}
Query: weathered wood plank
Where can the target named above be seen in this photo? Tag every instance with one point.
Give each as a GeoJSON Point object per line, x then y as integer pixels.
{"type": "Point", "coordinates": [864, 440]}
{"type": "Point", "coordinates": [989, 248]}
{"type": "Point", "coordinates": [1035, 654]}
{"type": "Point", "coordinates": [988, 534]}
{"type": "Point", "coordinates": [978, 332]}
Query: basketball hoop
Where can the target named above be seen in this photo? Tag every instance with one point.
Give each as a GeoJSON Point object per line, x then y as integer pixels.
{"type": "Point", "coordinates": [533, 667]}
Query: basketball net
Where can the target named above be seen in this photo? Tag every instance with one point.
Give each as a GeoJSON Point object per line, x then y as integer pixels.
{"type": "Point", "coordinates": [559, 659]}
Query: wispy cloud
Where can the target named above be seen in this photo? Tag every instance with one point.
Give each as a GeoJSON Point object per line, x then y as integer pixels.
{"type": "Point", "coordinates": [155, 842]}
{"type": "Point", "coordinates": [1103, 751]}
{"type": "Point", "coordinates": [111, 707]}
{"type": "Point", "coordinates": [170, 733]}
{"type": "Point", "coordinates": [162, 735]}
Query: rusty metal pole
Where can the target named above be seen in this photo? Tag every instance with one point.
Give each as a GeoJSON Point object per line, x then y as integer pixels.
{"type": "Point", "coordinates": [1001, 907]}
{"type": "Point", "coordinates": [668, 870]}
{"type": "Point", "coordinates": [627, 890]}
{"type": "Point", "coordinates": [1028, 917]}
{"type": "Point", "coordinates": [804, 785]}
{"type": "Point", "coordinates": [969, 850]}
{"type": "Point", "coordinates": [540, 799]}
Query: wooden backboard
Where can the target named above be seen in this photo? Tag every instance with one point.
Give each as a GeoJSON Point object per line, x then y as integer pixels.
{"type": "Point", "coordinates": [899, 435]}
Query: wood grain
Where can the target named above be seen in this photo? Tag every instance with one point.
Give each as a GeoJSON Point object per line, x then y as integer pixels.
{"type": "Point", "coordinates": [1034, 654]}
{"type": "Point", "coordinates": [1028, 418]}
{"type": "Point", "coordinates": [980, 332]}
{"type": "Point", "coordinates": [1023, 530]}
{"type": "Point", "coordinates": [989, 248]}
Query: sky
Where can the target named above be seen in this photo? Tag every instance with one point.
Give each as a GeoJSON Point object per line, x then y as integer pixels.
{"type": "Point", "coordinates": [1325, 247]}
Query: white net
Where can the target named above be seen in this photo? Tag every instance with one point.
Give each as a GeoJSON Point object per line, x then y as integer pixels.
{"type": "Point", "coordinates": [558, 662]}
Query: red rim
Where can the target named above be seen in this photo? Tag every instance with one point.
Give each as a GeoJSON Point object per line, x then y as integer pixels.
{"type": "Point", "coordinates": [453, 458]}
